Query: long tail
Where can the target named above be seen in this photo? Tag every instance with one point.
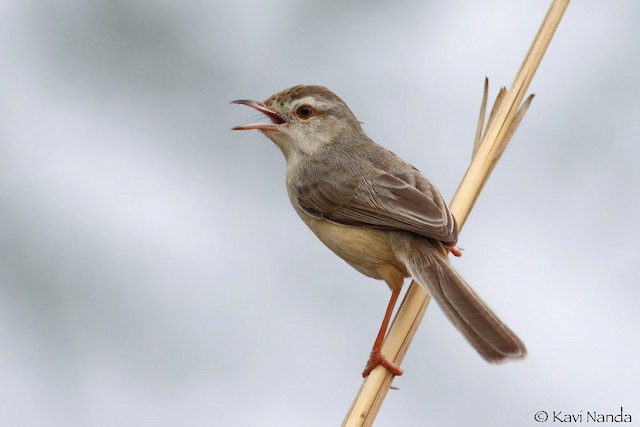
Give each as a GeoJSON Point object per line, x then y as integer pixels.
{"type": "Point", "coordinates": [427, 264]}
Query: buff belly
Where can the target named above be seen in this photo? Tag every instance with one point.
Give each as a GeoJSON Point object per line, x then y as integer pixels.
{"type": "Point", "coordinates": [365, 249]}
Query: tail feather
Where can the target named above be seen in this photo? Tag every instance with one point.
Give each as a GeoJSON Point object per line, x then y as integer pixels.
{"type": "Point", "coordinates": [428, 265]}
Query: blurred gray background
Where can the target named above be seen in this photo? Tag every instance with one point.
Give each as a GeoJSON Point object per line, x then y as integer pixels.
{"type": "Point", "coordinates": [153, 273]}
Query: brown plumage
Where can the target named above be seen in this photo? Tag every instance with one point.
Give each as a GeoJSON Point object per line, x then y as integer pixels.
{"type": "Point", "coordinates": [376, 211]}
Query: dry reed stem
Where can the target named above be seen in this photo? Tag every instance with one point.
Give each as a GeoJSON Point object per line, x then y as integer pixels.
{"type": "Point", "coordinates": [483, 110]}
{"type": "Point", "coordinates": [500, 128]}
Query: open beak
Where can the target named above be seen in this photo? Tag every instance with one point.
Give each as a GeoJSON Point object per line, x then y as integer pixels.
{"type": "Point", "coordinates": [276, 119]}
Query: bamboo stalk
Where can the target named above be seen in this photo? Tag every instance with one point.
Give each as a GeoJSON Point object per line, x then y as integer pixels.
{"type": "Point", "coordinates": [500, 128]}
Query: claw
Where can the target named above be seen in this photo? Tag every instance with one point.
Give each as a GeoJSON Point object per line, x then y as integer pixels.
{"type": "Point", "coordinates": [455, 251]}
{"type": "Point", "coordinates": [377, 358]}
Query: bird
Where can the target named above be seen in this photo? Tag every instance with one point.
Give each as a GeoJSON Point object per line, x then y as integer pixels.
{"type": "Point", "coordinates": [375, 211]}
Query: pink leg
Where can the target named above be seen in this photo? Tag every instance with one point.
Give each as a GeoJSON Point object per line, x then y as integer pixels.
{"type": "Point", "coordinates": [455, 251]}
{"type": "Point", "coordinates": [377, 358]}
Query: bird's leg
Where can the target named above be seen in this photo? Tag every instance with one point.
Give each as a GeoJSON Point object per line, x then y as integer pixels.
{"type": "Point", "coordinates": [454, 250]}
{"type": "Point", "coordinates": [377, 358]}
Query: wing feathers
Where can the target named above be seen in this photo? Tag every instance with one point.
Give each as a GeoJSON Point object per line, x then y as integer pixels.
{"type": "Point", "coordinates": [377, 198]}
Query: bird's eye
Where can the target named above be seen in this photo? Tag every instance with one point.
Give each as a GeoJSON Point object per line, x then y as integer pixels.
{"type": "Point", "coordinates": [304, 111]}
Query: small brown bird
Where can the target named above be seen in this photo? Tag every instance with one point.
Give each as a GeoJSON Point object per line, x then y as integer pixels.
{"type": "Point", "coordinates": [376, 212]}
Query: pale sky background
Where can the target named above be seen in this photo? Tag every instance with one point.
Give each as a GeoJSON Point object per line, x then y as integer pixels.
{"type": "Point", "coordinates": [153, 273]}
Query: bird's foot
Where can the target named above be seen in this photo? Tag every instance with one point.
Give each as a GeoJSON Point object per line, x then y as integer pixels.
{"type": "Point", "coordinates": [454, 250]}
{"type": "Point", "coordinates": [377, 358]}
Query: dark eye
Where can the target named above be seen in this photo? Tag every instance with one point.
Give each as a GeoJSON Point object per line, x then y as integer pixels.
{"type": "Point", "coordinates": [304, 111]}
